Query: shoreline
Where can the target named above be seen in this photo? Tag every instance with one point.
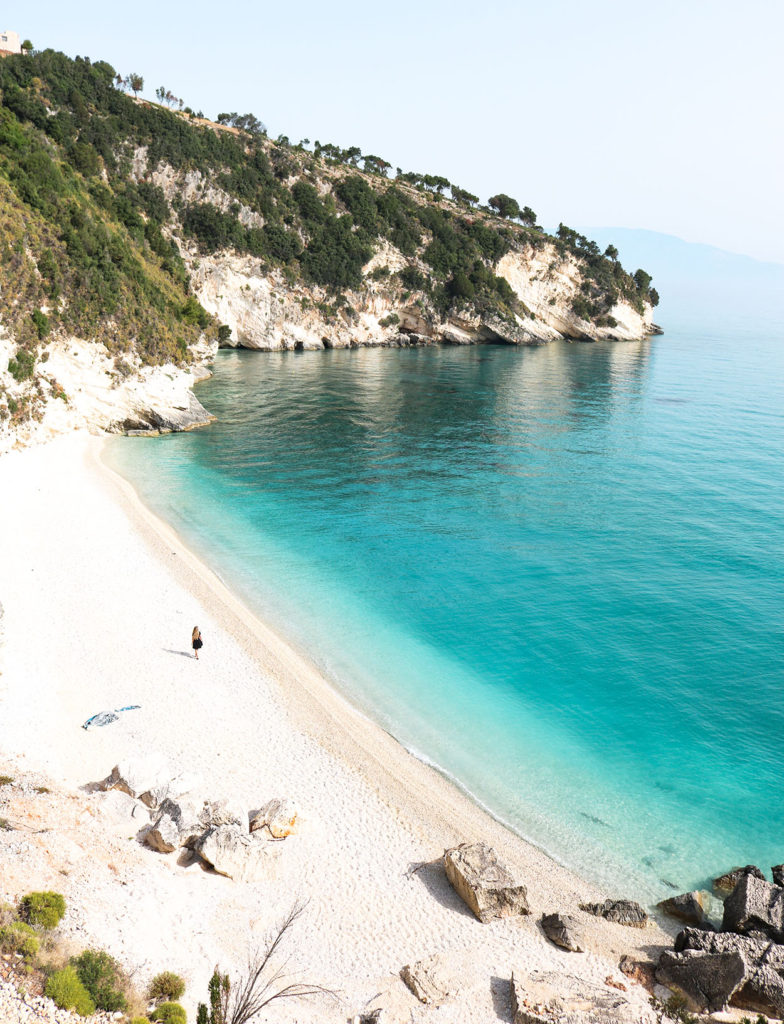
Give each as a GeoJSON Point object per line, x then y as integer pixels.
{"type": "Point", "coordinates": [112, 581]}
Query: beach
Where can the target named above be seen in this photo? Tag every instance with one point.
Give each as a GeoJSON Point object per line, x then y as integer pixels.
{"type": "Point", "coordinates": [99, 600]}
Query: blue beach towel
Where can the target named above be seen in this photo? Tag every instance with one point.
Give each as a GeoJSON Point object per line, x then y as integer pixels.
{"type": "Point", "coordinates": [105, 717]}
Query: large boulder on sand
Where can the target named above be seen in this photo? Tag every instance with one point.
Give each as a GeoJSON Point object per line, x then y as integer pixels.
{"type": "Point", "coordinates": [690, 907]}
{"type": "Point", "coordinates": [483, 882]}
{"type": "Point", "coordinates": [277, 816]}
{"type": "Point", "coordinates": [565, 931]}
{"type": "Point", "coordinates": [432, 980]}
{"type": "Point", "coordinates": [619, 911]}
{"type": "Point", "coordinates": [546, 997]}
{"type": "Point", "coordinates": [234, 853]}
{"type": "Point", "coordinates": [755, 905]}
{"type": "Point", "coordinates": [728, 881]}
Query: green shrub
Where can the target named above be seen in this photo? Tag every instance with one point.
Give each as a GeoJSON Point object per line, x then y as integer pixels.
{"type": "Point", "coordinates": [389, 321]}
{"type": "Point", "coordinates": [21, 368]}
{"type": "Point", "coordinates": [40, 322]}
{"type": "Point", "coordinates": [67, 991]}
{"type": "Point", "coordinates": [166, 985]}
{"type": "Point", "coordinates": [6, 780]}
{"type": "Point", "coordinates": [140, 1020]}
{"type": "Point", "coordinates": [19, 937]}
{"type": "Point", "coordinates": [169, 1013]}
{"type": "Point", "coordinates": [42, 909]}
{"type": "Point", "coordinates": [103, 978]}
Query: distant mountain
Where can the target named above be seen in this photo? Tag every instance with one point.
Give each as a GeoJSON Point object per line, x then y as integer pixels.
{"type": "Point", "coordinates": [699, 282]}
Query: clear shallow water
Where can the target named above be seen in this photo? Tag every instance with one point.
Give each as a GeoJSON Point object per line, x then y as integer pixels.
{"type": "Point", "coordinates": [557, 573]}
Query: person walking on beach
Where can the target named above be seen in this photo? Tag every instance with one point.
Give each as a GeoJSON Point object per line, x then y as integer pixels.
{"type": "Point", "coordinates": [196, 641]}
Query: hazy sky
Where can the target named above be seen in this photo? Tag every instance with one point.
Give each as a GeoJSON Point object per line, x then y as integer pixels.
{"type": "Point", "coordinates": [664, 115]}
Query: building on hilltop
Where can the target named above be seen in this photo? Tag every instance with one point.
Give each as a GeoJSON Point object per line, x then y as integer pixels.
{"type": "Point", "coordinates": [9, 43]}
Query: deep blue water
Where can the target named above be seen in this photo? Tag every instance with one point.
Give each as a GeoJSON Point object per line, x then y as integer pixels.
{"type": "Point", "coordinates": [557, 572]}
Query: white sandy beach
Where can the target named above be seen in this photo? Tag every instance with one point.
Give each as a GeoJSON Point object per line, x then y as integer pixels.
{"type": "Point", "coordinates": [100, 598]}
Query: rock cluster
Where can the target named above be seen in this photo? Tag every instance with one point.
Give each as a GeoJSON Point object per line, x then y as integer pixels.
{"type": "Point", "coordinates": [233, 841]}
{"type": "Point", "coordinates": [743, 964]}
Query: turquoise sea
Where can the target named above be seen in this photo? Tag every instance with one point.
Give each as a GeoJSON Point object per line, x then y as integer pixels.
{"type": "Point", "coordinates": [556, 573]}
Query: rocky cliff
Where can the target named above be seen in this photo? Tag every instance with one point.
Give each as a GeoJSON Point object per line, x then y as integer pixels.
{"type": "Point", "coordinates": [136, 240]}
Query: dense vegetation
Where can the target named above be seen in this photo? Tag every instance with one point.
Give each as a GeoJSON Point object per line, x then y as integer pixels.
{"type": "Point", "coordinates": [87, 246]}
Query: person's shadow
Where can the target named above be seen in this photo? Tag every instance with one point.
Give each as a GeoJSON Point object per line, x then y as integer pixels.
{"type": "Point", "coordinates": [184, 654]}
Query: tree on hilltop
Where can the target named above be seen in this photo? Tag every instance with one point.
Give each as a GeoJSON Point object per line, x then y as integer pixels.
{"type": "Point", "coordinates": [135, 82]}
{"type": "Point", "coordinates": [611, 253]}
{"type": "Point", "coordinates": [505, 206]}
{"type": "Point", "coordinates": [27, 46]}
{"type": "Point", "coordinates": [528, 217]}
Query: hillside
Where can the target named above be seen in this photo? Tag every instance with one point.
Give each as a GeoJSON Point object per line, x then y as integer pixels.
{"type": "Point", "coordinates": [134, 236]}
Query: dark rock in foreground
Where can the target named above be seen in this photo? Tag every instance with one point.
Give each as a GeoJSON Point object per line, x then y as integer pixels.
{"type": "Point", "coordinates": [689, 906]}
{"type": "Point", "coordinates": [483, 882]}
{"type": "Point", "coordinates": [761, 986]}
{"type": "Point", "coordinates": [727, 882]}
{"type": "Point", "coordinates": [755, 905]}
{"type": "Point", "coordinates": [778, 874]}
{"type": "Point", "coordinates": [707, 980]}
{"type": "Point", "coordinates": [619, 911]}
{"type": "Point", "coordinates": [565, 931]}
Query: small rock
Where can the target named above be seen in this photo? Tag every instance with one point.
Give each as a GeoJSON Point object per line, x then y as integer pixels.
{"type": "Point", "coordinates": [224, 812]}
{"type": "Point", "coordinates": [727, 882]}
{"type": "Point", "coordinates": [690, 907]}
{"type": "Point", "coordinates": [483, 882]}
{"type": "Point", "coordinates": [641, 971]}
{"type": "Point", "coordinates": [277, 816]}
{"type": "Point", "coordinates": [619, 911]}
{"type": "Point", "coordinates": [565, 931]}
{"type": "Point", "coordinates": [778, 874]}
{"type": "Point", "coordinates": [432, 980]}
{"type": "Point", "coordinates": [164, 836]}
{"type": "Point", "coordinates": [186, 812]}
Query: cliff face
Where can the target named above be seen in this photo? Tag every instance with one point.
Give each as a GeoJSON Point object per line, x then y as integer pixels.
{"type": "Point", "coordinates": [134, 240]}
{"type": "Point", "coordinates": [266, 313]}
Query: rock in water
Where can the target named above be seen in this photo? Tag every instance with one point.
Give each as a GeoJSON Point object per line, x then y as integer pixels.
{"type": "Point", "coordinates": [483, 882]}
{"type": "Point", "coordinates": [707, 980]}
{"type": "Point", "coordinates": [755, 905]}
{"type": "Point", "coordinates": [432, 980]}
{"type": "Point", "coordinates": [277, 816]}
{"type": "Point", "coordinates": [726, 883]}
{"type": "Point", "coordinates": [690, 907]}
{"type": "Point", "coordinates": [234, 853]}
{"type": "Point", "coordinates": [565, 931]}
{"type": "Point", "coordinates": [546, 997]}
{"type": "Point", "coordinates": [619, 911]}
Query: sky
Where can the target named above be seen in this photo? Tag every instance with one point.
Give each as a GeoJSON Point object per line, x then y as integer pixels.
{"type": "Point", "coordinates": [665, 116]}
